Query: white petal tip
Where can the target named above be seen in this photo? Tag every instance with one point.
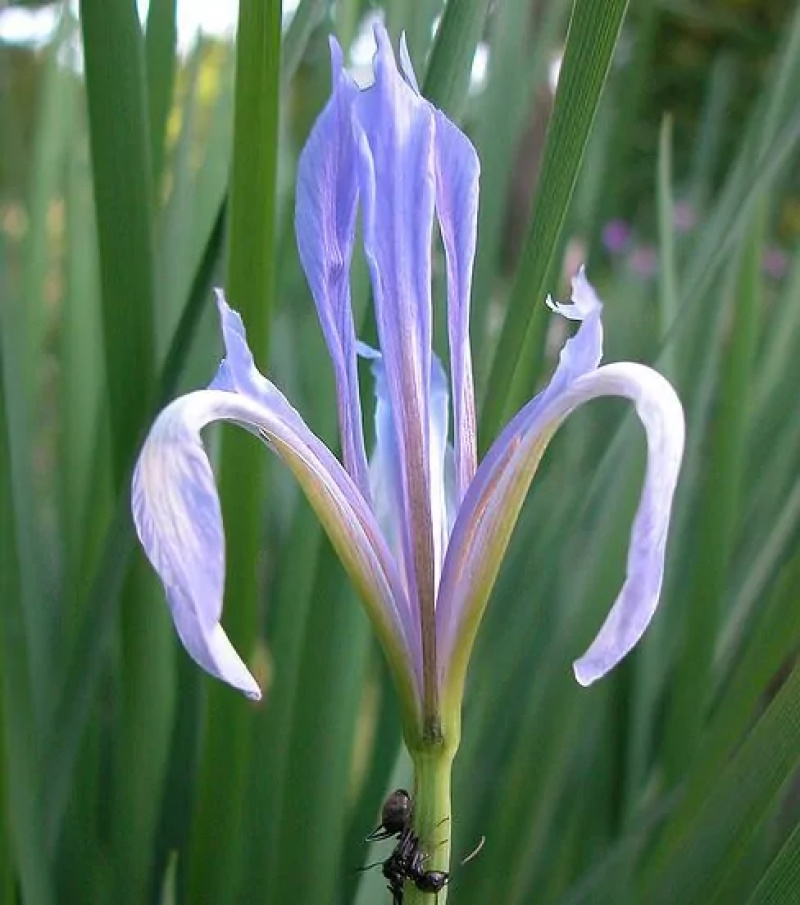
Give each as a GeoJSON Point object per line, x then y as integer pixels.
{"type": "Point", "coordinates": [585, 675]}
{"type": "Point", "coordinates": [252, 693]}
{"type": "Point", "coordinates": [584, 300]}
{"type": "Point", "coordinates": [219, 295]}
{"type": "Point", "coordinates": [583, 295]}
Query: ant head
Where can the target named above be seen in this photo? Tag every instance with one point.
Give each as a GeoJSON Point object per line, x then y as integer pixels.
{"type": "Point", "coordinates": [432, 880]}
{"type": "Point", "coordinates": [396, 813]}
{"type": "Point", "coordinates": [395, 816]}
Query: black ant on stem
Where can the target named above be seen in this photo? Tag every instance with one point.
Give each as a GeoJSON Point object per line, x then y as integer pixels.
{"type": "Point", "coordinates": [407, 860]}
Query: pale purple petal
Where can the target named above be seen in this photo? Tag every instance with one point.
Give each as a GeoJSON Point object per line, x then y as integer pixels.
{"type": "Point", "coordinates": [394, 130]}
{"type": "Point", "coordinates": [457, 176]}
{"type": "Point", "coordinates": [385, 465]}
{"type": "Point", "coordinates": [487, 517]}
{"type": "Point", "coordinates": [386, 486]}
{"type": "Point", "coordinates": [581, 354]}
{"type": "Point", "coordinates": [406, 66]}
{"type": "Point", "coordinates": [443, 483]}
{"type": "Point", "coordinates": [325, 218]}
{"type": "Point", "coordinates": [660, 412]}
{"type": "Point", "coordinates": [457, 173]}
{"type": "Point", "coordinates": [177, 514]}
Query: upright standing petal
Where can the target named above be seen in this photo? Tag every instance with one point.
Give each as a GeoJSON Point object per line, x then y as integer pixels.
{"type": "Point", "coordinates": [443, 482]}
{"type": "Point", "coordinates": [387, 496]}
{"type": "Point", "coordinates": [325, 218]}
{"type": "Point", "coordinates": [457, 176]}
{"type": "Point", "coordinates": [457, 172]}
{"type": "Point", "coordinates": [394, 130]}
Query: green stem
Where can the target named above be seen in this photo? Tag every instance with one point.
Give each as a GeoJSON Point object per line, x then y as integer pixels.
{"type": "Point", "coordinates": [432, 818]}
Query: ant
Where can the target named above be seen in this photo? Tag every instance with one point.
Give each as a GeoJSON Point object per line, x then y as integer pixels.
{"type": "Point", "coordinates": [407, 860]}
{"type": "Point", "coordinates": [395, 816]}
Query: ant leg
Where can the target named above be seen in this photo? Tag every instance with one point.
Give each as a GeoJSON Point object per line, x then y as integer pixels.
{"type": "Point", "coordinates": [369, 866]}
{"type": "Point", "coordinates": [377, 835]}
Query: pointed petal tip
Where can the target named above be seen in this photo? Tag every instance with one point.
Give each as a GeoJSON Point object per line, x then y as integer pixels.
{"type": "Point", "coordinates": [230, 321]}
{"type": "Point", "coordinates": [380, 31]}
{"type": "Point", "coordinates": [584, 299]}
{"type": "Point", "coordinates": [251, 690]}
{"type": "Point", "coordinates": [407, 66]}
{"type": "Point", "coordinates": [336, 52]}
{"type": "Point", "coordinates": [210, 648]}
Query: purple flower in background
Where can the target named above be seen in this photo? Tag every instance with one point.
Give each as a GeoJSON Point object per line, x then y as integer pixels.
{"type": "Point", "coordinates": [420, 526]}
{"type": "Point", "coordinates": [683, 216]}
{"type": "Point", "coordinates": [775, 263]}
{"type": "Point", "coordinates": [644, 261]}
{"type": "Point", "coordinates": [616, 236]}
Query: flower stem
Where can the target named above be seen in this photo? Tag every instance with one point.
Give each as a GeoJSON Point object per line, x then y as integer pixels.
{"type": "Point", "coordinates": [432, 819]}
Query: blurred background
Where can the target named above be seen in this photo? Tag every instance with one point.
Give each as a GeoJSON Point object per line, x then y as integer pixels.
{"type": "Point", "coordinates": [657, 144]}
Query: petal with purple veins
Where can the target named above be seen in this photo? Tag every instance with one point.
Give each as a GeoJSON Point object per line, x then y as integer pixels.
{"type": "Point", "coordinates": [325, 218]}
{"type": "Point", "coordinates": [490, 509]}
{"type": "Point", "coordinates": [177, 514]}
{"type": "Point", "coordinates": [457, 172]}
{"type": "Point", "coordinates": [457, 175]}
{"type": "Point", "coordinates": [394, 132]}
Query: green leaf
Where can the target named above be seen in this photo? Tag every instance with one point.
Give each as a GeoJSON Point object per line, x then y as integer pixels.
{"type": "Point", "coordinates": [306, 18]}
{"type": "Point", "coordinates": [217, 833]}
{"type": "Point", "coordinates": [692, 869]}
{"type": "Point", "coordinates": [718, 508]}
{"type": "Point", "coordinates": [120, 143]}
{"type": "Point", "coordinates": [160, 45]}
{"type": "Point", "coordinates": [22, 761]}
{"type": "Point", "coordinates": [447, 76]}
{"type": "Point", "coordinates": [117, 100]}
{"type": "Point", "coordinates": [781, 881]}
{"type": "Point", "coordinates": [593, 32]}
{"type": "Point", "coordinates": [89, 655]}
{"type": "Point", "coordinates": [504, 111]}
{"type": "Point", "coordinates": [668, 270]}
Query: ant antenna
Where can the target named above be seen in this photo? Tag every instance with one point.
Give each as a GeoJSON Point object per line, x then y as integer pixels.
{"type": "Point", "coordinates": [475, 852]}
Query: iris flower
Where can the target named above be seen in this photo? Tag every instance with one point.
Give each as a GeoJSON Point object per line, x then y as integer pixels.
{"type": "Point", "coordinates": [420, 526]}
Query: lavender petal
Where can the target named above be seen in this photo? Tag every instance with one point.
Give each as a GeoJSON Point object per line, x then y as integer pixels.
{"type": "Point", "coordinates": [177, 515]}
{"type": "Point", "coordinates": [490, 509]}
{"type": "Point", "coordinates": [394, 131]}
{"type": "Point", "coordinates": [325, 216]}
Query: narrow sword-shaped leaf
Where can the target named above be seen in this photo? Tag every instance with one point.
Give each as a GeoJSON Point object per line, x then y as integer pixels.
{"type": "Point", "coordinates": [592, 37]}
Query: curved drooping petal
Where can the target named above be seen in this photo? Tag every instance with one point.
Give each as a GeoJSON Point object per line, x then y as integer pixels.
{"type": "Point", "coordinates": [177, 516]}
{"type": "Point", "coordinates": [487, 517]}
{"type": "Point", "coordinates": [178, 520]}
{"type": "Point", "coordinates": [325, 219]}
{"type": "Point", "coordinates": [457, 175]}
{"type": "Point", "coordinates": [394, 130]}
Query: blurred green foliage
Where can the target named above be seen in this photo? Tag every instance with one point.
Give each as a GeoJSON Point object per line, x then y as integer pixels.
{"type": "Point", "coordinates": [125, 774]}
